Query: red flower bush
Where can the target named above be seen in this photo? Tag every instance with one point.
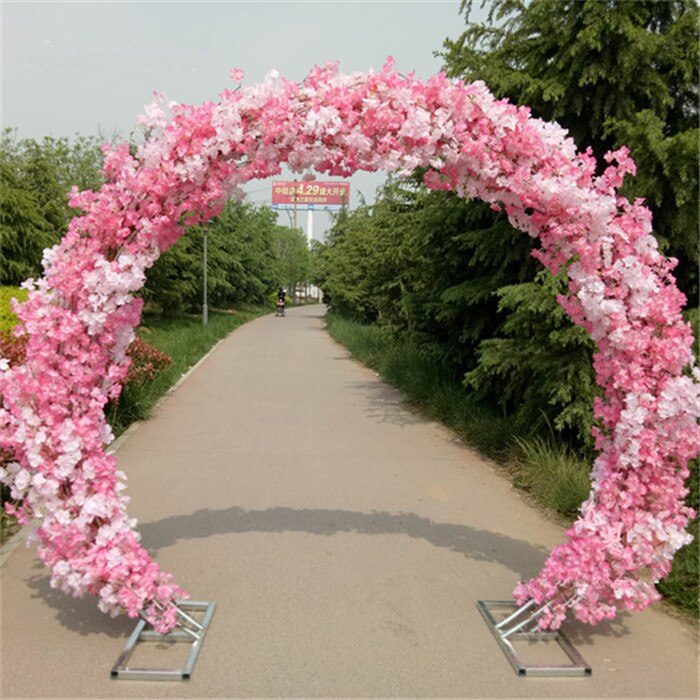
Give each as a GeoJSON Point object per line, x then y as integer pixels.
{"type": "Point", "coordinates": [146, 362]}
{"type": "Point", "coordinates": [13, 349]}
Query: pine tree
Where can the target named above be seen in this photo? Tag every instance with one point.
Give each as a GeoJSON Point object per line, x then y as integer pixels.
{"type": "Point", "coordinates": [35, 179]}
{"type": "Point", "coordinates": [612, 72]}
{"type": "Point", "coordinates": [24, 231]}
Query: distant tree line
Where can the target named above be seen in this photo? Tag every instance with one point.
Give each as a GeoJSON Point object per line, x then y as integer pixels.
{"type": "Point", "coordinates": [249, 254]}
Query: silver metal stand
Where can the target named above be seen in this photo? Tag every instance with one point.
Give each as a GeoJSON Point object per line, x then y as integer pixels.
{"type": "Point", "coordinates": [520, 624]}
{"type": "Point", "coordinates": [187, 630]}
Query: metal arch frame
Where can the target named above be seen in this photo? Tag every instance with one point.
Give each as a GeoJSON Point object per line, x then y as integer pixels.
{"type": "Point", "coordinates": [521, 625]}
{"type": "Point", "coordinates": [188, 630]}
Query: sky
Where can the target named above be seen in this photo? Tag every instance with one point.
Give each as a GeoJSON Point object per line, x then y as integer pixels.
{"type": "Point", "coordinates": [90, 66]}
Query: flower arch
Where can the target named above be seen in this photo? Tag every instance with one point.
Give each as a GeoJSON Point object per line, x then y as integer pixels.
{"type": "Point", "coordinates": [80, 317]}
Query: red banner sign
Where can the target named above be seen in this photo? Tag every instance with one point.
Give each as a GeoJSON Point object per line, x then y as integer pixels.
{"type": "Point", "coordinates": [288, 194]}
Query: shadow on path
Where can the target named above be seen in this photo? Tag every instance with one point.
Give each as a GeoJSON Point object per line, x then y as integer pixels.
{"type": "Point", "coordinates": [79, 615]}
{"type": "Point", "coordinates": [385, 404]}
{"type": "Point", "coordinates": [524, 558]}
{"type": "Point", "coordinates": [520, 556]}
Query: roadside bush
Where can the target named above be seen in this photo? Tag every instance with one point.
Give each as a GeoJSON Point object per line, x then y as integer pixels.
{"type": "Point", "coordinates": [12, 349]}
{"type": "Point", "coordinates": [554, 475]}
{"type": "Point", "coordinates": [146, 362]}
{"type": "Point", "coordinates": [8, 320]}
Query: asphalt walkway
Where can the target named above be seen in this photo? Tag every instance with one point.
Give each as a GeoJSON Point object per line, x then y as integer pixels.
{"type": "Point", "coordinates": [345, 539]}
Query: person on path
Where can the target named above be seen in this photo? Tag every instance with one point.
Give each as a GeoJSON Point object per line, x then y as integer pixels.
{"type": "Point", "coordinates": [281, 301]}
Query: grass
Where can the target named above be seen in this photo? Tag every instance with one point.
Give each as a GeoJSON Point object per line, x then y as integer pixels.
{"type": "Point", "coordinates": [8, 525]}
{"type": "Point", "coordinates": [428, 383]}
{"type": "Point", "coordinates": [681, 586]}
{"type": "Point", "coordinates": [186, 341]}
{"type": "Point", "coordinates": [554, 477]}
{"type": "Point", "coordinates": [553, 474]}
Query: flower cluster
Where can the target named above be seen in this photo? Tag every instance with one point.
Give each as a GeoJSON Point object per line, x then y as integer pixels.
{"type": "Point", "coordinates": [146, 362]}
{"type": "Point", "coordinates": [12, 350]}
{"type": "Point", "coordinates": [80, 317]}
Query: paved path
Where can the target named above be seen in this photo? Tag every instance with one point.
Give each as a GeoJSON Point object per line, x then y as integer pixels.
{"type": "Point", "coordinates": [345, 539]}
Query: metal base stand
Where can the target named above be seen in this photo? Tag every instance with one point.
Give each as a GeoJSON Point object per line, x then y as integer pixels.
{"type": "Point", "coordinates": [188, 630]}
{"type": "Point", "coordinates": [520, 624]}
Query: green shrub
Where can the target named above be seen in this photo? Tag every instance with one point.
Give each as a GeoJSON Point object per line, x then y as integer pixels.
{"type": "Point", "coordinates": [8, 319]}
{"type": "Point", "coordinates": [681, 586]}
{"type": "Point", "coordinates": [539, 367]}
{"type": "Point", "coordinates": [555, 476]}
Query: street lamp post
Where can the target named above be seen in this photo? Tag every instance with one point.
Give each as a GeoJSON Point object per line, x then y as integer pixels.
{"type": "Point", "coordinates": [205, 307]}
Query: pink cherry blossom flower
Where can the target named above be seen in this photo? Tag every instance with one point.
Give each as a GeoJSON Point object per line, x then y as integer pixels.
{"type": "Point", "coordinates": [79, 318]}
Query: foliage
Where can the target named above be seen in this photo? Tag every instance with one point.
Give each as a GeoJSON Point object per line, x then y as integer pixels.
{"type": "Point", "coordinates": [357, 266]}
{"type": "Point", "coordinates": [466, 255]}
{"type": "Point", "coordinates": [539, 368]}
{"type": "Point", "coordinates": [293, 257]}
{"type": "Point", "coordinates": [692, 316]}
{"type": "Point", "coordinates": [24, 233]}
{"type": "Point", "coordinates": [611, 73]}
{"type": "Point", "coordinates": [243, 236]}
{"type": "Point", "coordinates": [8, 319]}
{"type": "Point", "coordinates": [408, 261]}
{"type": "Point", "coordinates": [241, 263]}
{"type": "Point", "coordinates": [438, 268]}
{"type": "Point", "coordinates": [556, 477]}
{"type": "Point", "coordinates": [35, 178]}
